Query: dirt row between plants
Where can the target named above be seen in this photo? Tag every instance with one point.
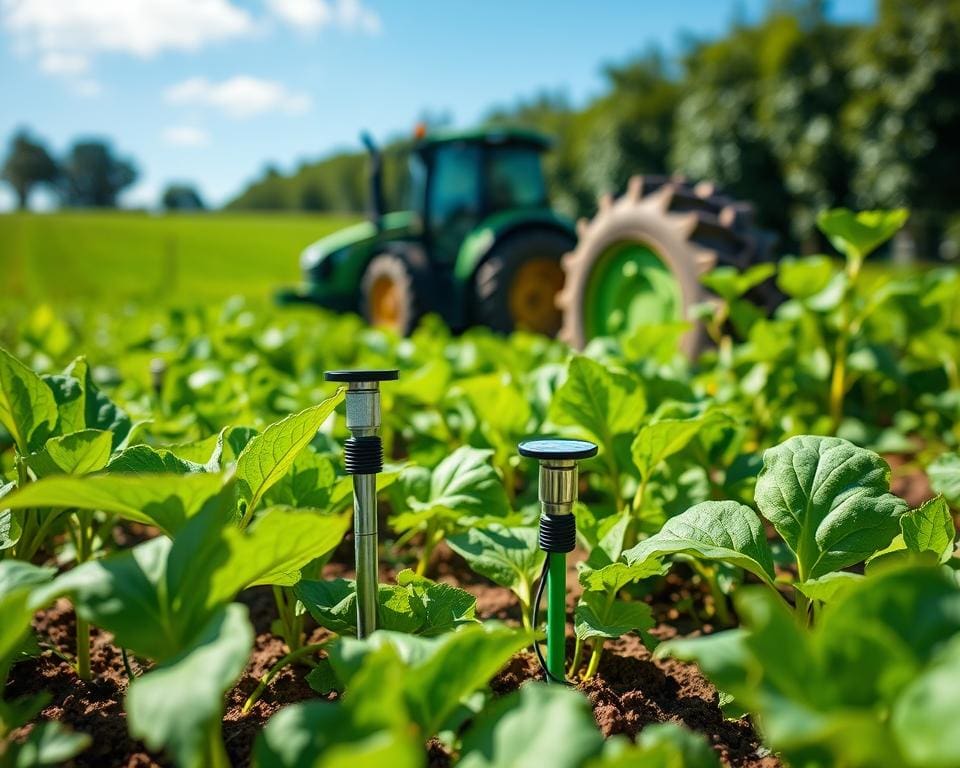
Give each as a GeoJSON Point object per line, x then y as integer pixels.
{"type": "Point", "coordinates": [630, 691]}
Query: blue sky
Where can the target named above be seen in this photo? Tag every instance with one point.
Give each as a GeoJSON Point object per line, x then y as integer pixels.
{"type": "Point", "coordinates": [211, 90]}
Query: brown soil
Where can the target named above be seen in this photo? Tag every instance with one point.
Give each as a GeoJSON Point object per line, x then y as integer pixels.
{"type": "Point", "coordinates": [630, 691]}
{"type": "Point", "coordinates": [908, 480]}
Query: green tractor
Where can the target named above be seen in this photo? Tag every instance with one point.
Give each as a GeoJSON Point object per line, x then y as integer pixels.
{"type": "Point", "coordinates": [480, 245]}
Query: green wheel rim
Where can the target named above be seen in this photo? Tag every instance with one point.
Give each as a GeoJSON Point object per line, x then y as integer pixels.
{"type": "Point", "coordinates": [628, 287]}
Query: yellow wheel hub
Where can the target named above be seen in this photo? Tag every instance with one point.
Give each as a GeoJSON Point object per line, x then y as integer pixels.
{"type": "Point", "coordinates": [385, 309]}
{"type": "Point", "coordinates": [532, 296]}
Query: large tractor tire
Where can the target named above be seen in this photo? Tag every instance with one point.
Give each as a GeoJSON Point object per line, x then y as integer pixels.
{"type": "Point", "coordinates": [640, 259]}
{"type": "Point", "coordinates": [516, 286]}
{"type": "Point", "coordinates": [394, 289]}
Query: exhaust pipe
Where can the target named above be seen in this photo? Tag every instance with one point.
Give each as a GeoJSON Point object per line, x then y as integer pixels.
{"type": "Point", "coordinates": [375, 176]}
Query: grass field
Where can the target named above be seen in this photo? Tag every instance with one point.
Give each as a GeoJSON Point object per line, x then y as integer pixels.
{"type": "Point", "coordinates": [112, 258]}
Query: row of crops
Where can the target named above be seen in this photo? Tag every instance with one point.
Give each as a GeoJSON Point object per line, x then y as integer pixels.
{"type": "Point", "coordinates": [193, 457]}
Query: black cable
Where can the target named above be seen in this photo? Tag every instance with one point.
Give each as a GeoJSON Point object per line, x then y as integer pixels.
{"type": "Point", "coordinates": [535, 613]}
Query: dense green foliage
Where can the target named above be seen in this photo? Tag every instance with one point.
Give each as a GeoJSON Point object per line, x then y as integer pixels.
{"type": "Point", "coordinates": [214, 426]}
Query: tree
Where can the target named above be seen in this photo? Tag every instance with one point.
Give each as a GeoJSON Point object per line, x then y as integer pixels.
{"type": "Point", "coordinates": [629, 129]}
{"type": "Point", "coordinates": [182, 197]}
{"type": "Point", "coordinates": [93, 176]}
{"type": "Point", "coordinates": [903, 123]}
{"type": "Point", "coordinates": [27, 165]}
{"type": "Point", "coordinates": [717, 135]}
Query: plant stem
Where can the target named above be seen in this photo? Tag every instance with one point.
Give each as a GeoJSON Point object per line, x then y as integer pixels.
{"type": "Point", "coordinates": [802, 607]}
{"type": "Point", "coordinates": [216, 751]}
{"type": "Point", "coordinates": [126, 664]}
{"type": "Point", "coordinates": [577, 657]}
{"type": "Point", "coordinates": [594, 665]}
{"type": "Point", "coordinates": [838, 380]}
{"type": "Point", "coordinates": [275, 669]}
{"type": "Point", "coordinates": [430, 540]}
{"type": "Point", "coordinates": [84, 525]}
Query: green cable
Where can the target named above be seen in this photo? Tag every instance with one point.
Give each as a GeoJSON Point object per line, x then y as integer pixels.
{"type": "Point", "coordinates": [556, 614]}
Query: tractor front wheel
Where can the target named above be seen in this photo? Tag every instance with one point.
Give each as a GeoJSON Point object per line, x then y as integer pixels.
{"type": "Point", "coordinates": [389, 293]}
{"type": "Point", "coordinates": [516, 287]}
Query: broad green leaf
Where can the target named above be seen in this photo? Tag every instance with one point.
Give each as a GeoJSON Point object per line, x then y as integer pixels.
{"type": "Point", "coordinates": [165, 501]}
{"type": "Point", "coordinates": [207, 452]}
{"type": "Point", "coordinates": [28, 410]}
{"type": "Point", "coordinates": [48, 744]}
{"type": "Point", "coordinates": [729, 283]}
{"type": "Point", "coordinates": [944, 475]}
{"type": "Point", "coordinates": [500, 405]}
{"type": "Point", "coordinates": [17, 581]}
{"type": "Point", "coordinates": [814, 690]}
{"type": "Point", "coordinates": [924, 717]}
{"type": "Point", "coordinates": [615, 576]}
{"type": "Point", "coordinates": [178, 705]}
{"type": "Point", "coordinates": [144, 460]}
{"type": "Point", "coordinates": [271, 551]}
{"type": "Point", "coordinates": [10, 529]}
{"type": "Point", "coordinates": [438, 678]}
{"type": "Point", "coordinates": [368, 728]}
{"type": "Point", "coordinates": [269, 455]}
{"type": "Point", "coordinates": [69, 398]}
{"type": "Point", "coordinates": [156, 596]}
{"type": "Point", "coordinates": [829, 586]}
{"type": "Point", "coordinates": [99, 411]}
{"type": "Point", "coordinates": [598, 615]}
{"type": "Point", "coordinates": [714, 530]}
{"type": "Point", "coordinates": [309, 483]}
{"type": "Point", "coordinates": [857, 235]}
{"type": "Point", "coordinates": [17, 574]}
{"type": "Point", "coordinates": [414, 605]}
{"type": "Point", "coordinates": [509, 557]}
{"type": "Point", "coordinates": [829, 500]}
{"type": "Point", "coordinates": [537, 725]}
{"type": "Point", "coordinates": [466, 484]}
{"type": "Point", "coordinates": [657, 442]}
{"type": "Point", "coordinates": [660, 745]}
{"type": "Point", "coordinates": [804, 276]}
{"type": "Point", "coordinates": [601, 402]}
{"type": "Point", "coordinates": [930, 528]}
{"type": "Point", "coordinates": [78, 453]}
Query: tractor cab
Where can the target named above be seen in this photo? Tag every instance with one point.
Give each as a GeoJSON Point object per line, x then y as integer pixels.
{"type": "Point", "coordinates": [459, 180]}
{"type": "Point", "coordinates": [478, 243]}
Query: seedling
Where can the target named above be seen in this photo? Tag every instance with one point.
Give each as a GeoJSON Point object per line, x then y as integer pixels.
{"type": "Point", "coordinates": [363, 458]}
{"type": "Point", "coordinates": [558, 535]}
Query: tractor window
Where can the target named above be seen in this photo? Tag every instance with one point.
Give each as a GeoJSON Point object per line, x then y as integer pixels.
{"type": "Point", "coordinates": [455, 185]}
{"type": "Point", "coordinates": [515, 179]}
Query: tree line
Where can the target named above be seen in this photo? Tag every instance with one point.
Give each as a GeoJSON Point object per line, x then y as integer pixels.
{"type": "Point", "coordinates": [90, 175]}
{"type": "Point", "coordinates": [795, 113]}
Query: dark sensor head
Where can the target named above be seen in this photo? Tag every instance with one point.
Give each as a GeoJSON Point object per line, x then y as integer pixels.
{"type": "Point", "coordinates": [557, 449]}
{"type": "Point", "coordinates": [371, 374]}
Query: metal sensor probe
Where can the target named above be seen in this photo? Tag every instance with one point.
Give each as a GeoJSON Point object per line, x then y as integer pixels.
{"type": "Point", "coordinates": [363, 458]}
{"type": "Point", "coordinates": [558, 535]}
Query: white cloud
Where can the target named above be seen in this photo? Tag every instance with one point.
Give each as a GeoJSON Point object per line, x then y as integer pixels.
{"type": "Point", "coordinates": [313, 15]}
{"type": "Point", "coordinates": [186, 136]}
{"type": "Point", "coordinates": [239, 97]}
{"type": "Point", "coordinates": [139, 27]}
{"type": "Point", "coordinates": [69, 64]}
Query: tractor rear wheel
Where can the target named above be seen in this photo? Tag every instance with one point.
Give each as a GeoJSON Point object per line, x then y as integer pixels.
{"type": "Point", "coordinates": [640, 259]}
{"type": "Point", "coordinates": [392, 291]}
{"type": "Point", "coordinates": [516, 286]}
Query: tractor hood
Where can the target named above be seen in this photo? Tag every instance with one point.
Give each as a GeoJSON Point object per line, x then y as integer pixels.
{"type": "Point", "coordinates": [360, 236]}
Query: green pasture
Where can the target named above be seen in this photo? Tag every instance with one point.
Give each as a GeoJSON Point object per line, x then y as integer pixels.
{"type": "Point", "coordinates": [114, 258]}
